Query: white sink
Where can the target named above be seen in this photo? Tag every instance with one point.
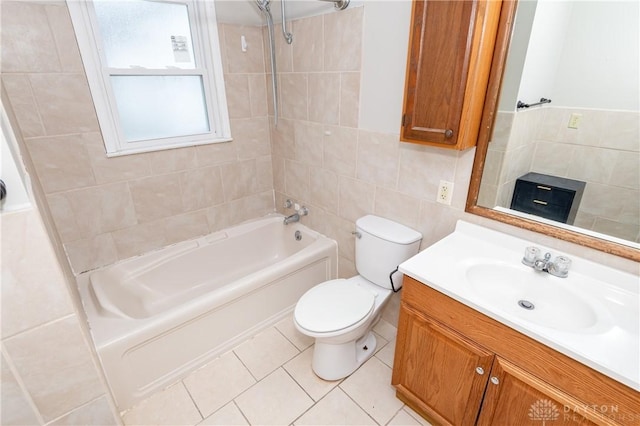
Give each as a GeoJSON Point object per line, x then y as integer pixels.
{"type": "Point", "coordinates": [533, 296]}
{"type": "Point", "coordinates": [592, 316]}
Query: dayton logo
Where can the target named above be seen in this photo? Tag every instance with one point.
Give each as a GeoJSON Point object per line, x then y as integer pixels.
{"type": "Point", "coordinates": [543, 410]}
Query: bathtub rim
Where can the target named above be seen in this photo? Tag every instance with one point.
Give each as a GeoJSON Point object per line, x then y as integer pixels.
{"type": "Point", "coordinates": [121, 290]}
{"type": "Point", "coordinates": [106, 330]}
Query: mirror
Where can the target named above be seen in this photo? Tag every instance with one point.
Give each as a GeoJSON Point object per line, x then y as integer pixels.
{"type": "Point", "coordinates": [584, 56]}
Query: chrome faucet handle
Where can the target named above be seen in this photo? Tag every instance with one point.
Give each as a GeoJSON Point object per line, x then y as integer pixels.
{"type": "Point", "coordinates": [288, 203]}
{"type": "Point", "coordinates": [303, 211]}
{"type": "Point", "coordinates": [560, 266]}
{"type": "Point", "coordinates": [531, 254]}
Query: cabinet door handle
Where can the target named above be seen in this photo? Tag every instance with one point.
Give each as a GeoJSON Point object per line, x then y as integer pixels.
{"type": "Point", "coordinates": [544, 203]}
{"type": "Point", "coordinates": [480, 370]}
{"type": "Point", "coordinates": [448, 133]}
{"type": "Point", "coordinates": [546, 188]}
{"type": "Point", "coordinates": [495, 380]}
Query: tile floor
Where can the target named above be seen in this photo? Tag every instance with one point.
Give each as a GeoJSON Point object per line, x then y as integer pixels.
{"type": "Point", "coordinates": [268, 380]}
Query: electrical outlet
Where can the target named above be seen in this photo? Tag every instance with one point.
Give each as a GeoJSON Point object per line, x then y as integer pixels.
{"type": "Point", "coordinates": [445, 192]}
{"type": "Point", "coordinates": [574, 121]}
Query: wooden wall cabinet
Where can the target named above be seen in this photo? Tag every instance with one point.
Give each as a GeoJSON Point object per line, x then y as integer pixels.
{"type": "Point", "coordinates": [456, 366]}
{"type": "Point", "coordinates": [451, 46]}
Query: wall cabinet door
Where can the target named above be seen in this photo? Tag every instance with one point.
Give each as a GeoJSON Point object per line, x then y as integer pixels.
{"type": "Point", "coordinates": [440, 371]}
{"type": "Point", "coordinates": [450, 52]}
{"type": "Point", "coordinates": [514, 397]}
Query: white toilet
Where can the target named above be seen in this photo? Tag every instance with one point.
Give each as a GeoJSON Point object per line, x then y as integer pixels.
{"type": "Point", "coordinates": [340, 313]}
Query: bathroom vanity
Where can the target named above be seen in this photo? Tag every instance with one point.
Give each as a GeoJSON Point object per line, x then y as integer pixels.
{"type": "Point", "coordinates": [467, 354]}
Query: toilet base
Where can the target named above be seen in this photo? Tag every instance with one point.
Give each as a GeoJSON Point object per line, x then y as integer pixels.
{"type": "Point", "coordinates": [336, 361]}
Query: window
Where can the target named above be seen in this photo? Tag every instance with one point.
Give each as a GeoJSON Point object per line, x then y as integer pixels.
{"type": "Point", "coordinates": [154, 71]}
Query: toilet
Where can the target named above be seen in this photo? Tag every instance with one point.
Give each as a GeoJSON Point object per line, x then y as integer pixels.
{"type": "Point", "coordinates": [340, 314]}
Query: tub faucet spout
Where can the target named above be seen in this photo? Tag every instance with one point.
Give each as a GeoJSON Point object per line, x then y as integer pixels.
{"type": "Point", "coordinates": [303, 211]}
{"type": "Point", "coordinates": [293, 218]}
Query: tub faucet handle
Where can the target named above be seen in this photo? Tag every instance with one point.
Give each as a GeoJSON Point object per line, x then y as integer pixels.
{"type": "Point", "coordinates": [288, 203]}
{"type": "Point", "coordinates": [303, 211]}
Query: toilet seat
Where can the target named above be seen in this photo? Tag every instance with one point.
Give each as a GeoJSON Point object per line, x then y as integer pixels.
{"type": "Point", "coordinates": [333, 306]}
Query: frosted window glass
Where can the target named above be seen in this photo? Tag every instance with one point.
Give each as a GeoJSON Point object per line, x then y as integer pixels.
{"type": "Point", "coordinates": [138, 33]}
{"type": "Point", "coordinates": [153, 107]}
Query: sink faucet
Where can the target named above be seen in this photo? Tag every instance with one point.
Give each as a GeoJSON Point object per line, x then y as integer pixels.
{"type": "Point", "coordinates": [559, 267]}
{"type": "Point", "coordinates": [303, 211]}
{"type": "Point", "coordinates": [542, 264]}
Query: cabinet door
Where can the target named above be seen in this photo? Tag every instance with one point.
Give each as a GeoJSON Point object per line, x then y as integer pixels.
{"type": "Point", "coordinates": [439, 372]}
{"type": "Point", "coordinates": [515, 397]}
{"type": "Point", "coordinates": [450, 50]}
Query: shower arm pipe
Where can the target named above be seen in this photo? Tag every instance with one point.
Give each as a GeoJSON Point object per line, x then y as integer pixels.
{"type": "Point", "coordinates": [274, 74]}
{"type": "Point", "coordinates": [286, 34]}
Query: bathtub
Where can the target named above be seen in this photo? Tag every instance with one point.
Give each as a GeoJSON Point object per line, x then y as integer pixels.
{"type": "Point", "coordinates": [157, 317]}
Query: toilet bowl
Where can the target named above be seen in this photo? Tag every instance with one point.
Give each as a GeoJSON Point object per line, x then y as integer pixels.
{"type": "Point", "coordinates": [340, 314]}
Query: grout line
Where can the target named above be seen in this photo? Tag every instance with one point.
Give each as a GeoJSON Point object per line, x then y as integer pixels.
{"type": "Point", "coordinates": [76, 408]}
{"type": "Point", "coordinates": [314, 401]}
{"type": "Point", "coordinates": [301, 387]}
{"type": "Point", "coordinates": [184, 385]}
{"type": "Point", "coordinates": [289, 340]}
{"type": "Point", "coordinates": [245, 366]}
{"type": "Point", "coordinates": [20, 383]}
{"type": "Point", "coordinates": [396, 413]}
{"type": "Point", "coordinates": [30, 329]}
{"type": "Point", "coordinates": [233, 401]}
{"type": "Point", "coordinates": [359, 406]}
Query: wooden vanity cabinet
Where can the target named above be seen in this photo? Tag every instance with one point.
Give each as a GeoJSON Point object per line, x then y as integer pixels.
{"type": "Point", "coordinates": [456, 366]}
{"type": "Point", "coordinates": [451, 46]}
{"type": "Point", "coordinates": [433, 358]}
{"type": "Point", "coordinates": [515, 397]}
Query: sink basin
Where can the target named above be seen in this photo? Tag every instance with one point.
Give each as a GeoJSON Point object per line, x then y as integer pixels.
{"type": "Point", "coordinates": [531, 295]}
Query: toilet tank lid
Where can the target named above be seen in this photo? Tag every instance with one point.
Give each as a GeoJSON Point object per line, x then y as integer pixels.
{"type": "Point", "coordinates": [388, 230]}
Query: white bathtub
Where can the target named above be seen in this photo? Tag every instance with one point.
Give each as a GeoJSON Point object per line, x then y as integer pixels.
{"type": "Point", "coordinates": [156, 317]}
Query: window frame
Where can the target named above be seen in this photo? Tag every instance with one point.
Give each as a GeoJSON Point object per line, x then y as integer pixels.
{"type": "Point", "coordinates": [208, 65]}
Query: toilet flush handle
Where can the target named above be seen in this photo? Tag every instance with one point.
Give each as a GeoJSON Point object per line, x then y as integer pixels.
{"type": "Point", "coordinates": [357, 234]}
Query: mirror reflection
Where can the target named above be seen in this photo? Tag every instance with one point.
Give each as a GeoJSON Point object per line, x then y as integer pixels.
{"type": "Point", "coordinates": [573, 162]}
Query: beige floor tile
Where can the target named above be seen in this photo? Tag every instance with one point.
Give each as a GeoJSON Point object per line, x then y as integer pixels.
{"type": "Point", "coordinates": [386, 330]}
{"type": "Point", "coordinates": [335, 409]}
{"type": "Point", "coordinates": [403, 419]}
{"type": "Point", "coordinates": [172, 406]}
{"type": "Point", "coordinates": [370, 387]}
{"type": "Point", "coordinates": [218, 382]}
{"type": "Point", "coordinates": [275, 400]}
{"type": "Point", "coordinates": [381, 342]}
{"type": "Point", "coordinates": [300, 369]}
{"type": "Point", "coordinates": [265, 352]}
{"type": "Point", "coordinates": [229, 415]}
{"type": "Point", "coordinates": [289, 331]}
{"type": "Point", "coordinates": [387, 353]}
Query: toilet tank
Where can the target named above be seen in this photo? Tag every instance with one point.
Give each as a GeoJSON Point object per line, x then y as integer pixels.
{"type": "Point", "coordinates": [381, 246]}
